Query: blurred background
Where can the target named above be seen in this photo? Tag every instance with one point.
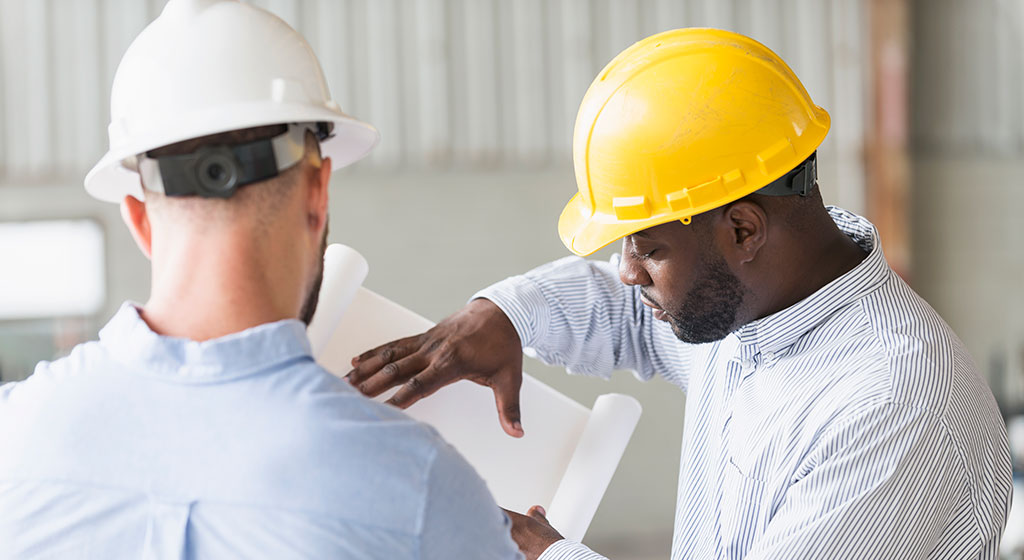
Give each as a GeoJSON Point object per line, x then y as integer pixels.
{"type": "Point", "coordinates": [475, 100]}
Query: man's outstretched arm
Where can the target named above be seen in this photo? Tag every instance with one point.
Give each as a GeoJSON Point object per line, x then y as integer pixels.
{"type": "Point", "coordinates": [572, 312]}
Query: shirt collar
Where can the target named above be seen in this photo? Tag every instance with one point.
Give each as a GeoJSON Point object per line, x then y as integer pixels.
{"type": "Point", "coordinates": [130, 341]}
{"type": "Point", "coordinates": [781, 330]}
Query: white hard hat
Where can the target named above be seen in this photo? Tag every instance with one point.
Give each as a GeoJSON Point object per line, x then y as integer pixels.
{"type": "Point", "coordinates": [210, 66]}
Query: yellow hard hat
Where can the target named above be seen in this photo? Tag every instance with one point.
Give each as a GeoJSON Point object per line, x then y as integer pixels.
{"type": "Point", "coordinates": [678, 124]}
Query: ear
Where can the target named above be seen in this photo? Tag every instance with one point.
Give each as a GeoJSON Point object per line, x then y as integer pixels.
{"type": "Point", "coordinates": [318, 194]}
{"type": "Point", "coordinates": [747, 223]}
{"type": "Point", "coordinates": [133, 212]}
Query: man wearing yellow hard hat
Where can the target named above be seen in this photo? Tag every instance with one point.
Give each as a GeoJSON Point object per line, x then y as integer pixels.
{"type": "Point", "coordinates": [831, 413]}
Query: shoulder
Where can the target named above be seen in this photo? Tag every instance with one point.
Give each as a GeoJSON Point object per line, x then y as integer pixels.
{"type": "Point", "coordinates": [50, 377]}
{"type": "Point", "coordinates": [926, 362]}
{"type": "Point", "coordinates": [418, 481]}
{"type": "Point", "coordinates": [890, 347]}
{"type": "Point", "coordinates": [928, 369]}
{"type": "Point", "coordinates": [343, 452]}
{"type": "Point", "coordinates": [460, 518]}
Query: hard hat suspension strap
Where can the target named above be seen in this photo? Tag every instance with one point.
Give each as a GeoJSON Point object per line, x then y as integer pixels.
{"type": "Point", "coordinates": [219, 171]}
{"type": "Point", "coordinates": [800, 180]}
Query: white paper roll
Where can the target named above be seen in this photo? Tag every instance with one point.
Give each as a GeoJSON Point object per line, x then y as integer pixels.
{"type": "Point", "coordinates": [344, 272]}
{"type": "Point", "coordinates": [597, 455]}
{"type": "Point", "coordinates": [568, 455]}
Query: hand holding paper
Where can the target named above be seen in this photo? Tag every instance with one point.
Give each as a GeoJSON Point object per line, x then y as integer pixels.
{"type": "Point", "coordinates": [477, 343]}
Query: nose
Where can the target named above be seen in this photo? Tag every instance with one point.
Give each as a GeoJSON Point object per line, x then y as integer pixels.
{"type": "Point", "coordinates": [631, 271]}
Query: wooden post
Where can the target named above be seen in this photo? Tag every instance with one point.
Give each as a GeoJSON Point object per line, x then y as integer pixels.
{"type": "Point", "coordinates": [888, 162]}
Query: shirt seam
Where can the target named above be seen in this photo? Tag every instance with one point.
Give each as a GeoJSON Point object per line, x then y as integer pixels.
{"type": "Point", "coordinates": [227, 503]}
{"type": "Point", "coordinates": [167, 376]}
{"type": "Point", "coordinates": [421, 518]}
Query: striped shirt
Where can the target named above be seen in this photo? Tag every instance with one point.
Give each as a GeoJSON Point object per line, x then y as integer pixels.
{"type": "Point", "coordinates": [852, 424]}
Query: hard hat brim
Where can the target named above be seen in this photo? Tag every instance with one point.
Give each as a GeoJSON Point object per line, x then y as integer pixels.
{"type": "Point", "coordinates": [584, 233]}
{"type": "Point", "coordinates": [351, 141]}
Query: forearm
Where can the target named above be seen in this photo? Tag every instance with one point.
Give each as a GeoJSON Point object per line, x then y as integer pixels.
{"type": "Point", "coordinates": [576, 313]}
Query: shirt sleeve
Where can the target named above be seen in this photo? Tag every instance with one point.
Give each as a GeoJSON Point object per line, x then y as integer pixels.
{"type": "Point", "coordinates": [569, 550]}
{"type": "Point", "coordinates": [883, 484]}
{"type": "Point", "coordinates": [460, 518]}
{"type": "Point", "coordinates": [577, 314]}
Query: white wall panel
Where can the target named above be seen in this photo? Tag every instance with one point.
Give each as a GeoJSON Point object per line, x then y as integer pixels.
{"type": "Point", "coordinates": [850, 85]}
{"type": "Point", "coordinates": [79, 93]}
{"type": "Point", "coordinates": [384, 78]}
{"type": "Point", "coordinates": [27, 118]}
{"type": "Point", "coordinates": [663, 15]}
{"type": "Point", "coordinates": [476, 97]}
{"type": "Point", "coordinates": [530, 81]}
{"type": "Point", "coordinates": [329, 36]}
{"type": "Point", "coordinates": [968, 78]}
{"type": "Point", "coordinates": [426, 66]}
{"type": "Point", "coordinates": [492, 83]}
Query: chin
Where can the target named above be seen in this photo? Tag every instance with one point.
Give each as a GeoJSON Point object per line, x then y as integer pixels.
{"type": "Point", "coordinates": [696, 334]}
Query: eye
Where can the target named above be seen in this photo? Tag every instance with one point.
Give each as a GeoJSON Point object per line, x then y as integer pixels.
{"type": "Point", "coordinates": [641, 248]}
{"type": "Point", "coordinates": [642, 255]}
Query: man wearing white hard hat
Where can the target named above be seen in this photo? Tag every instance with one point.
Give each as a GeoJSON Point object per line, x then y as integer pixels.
{"type": "Point", "coordinates": [199, 426]}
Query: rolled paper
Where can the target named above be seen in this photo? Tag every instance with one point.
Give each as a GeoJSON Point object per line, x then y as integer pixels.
{"type": "Point", "coordinates": [565, 460]}
{"type": "Point", "coordinates": [568, 454]}
{"type": "Point", "coordinates": [344, 272]}
{"type": "Point", "coordinates": [602, 444]}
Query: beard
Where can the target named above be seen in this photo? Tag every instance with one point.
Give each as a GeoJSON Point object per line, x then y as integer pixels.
{"type": "Point", "coordinates": [708, 312]}
{"type": "Point", "coordinates": [313, 296]}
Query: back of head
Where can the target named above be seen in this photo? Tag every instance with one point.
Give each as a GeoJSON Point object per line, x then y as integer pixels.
{"type": "Point", "coordinates": [223, 124]}
{"type": "Point", "coordinates": [219, 111]}
{"type": "Point", "coordinates": [254, 206]}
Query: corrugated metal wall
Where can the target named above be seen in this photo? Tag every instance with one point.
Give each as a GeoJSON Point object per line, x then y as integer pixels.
{"type": "Point", "coordinates": [491, 83]}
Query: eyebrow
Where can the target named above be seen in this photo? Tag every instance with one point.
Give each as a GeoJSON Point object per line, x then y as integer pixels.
{"type": "Point", "coordinates": [642, 233]}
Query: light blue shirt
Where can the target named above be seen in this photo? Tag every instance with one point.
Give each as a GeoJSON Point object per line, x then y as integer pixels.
{"type": "Point", "coordinates": [143, 446]}
{"type": "Point", "coordinates": [850, 425]}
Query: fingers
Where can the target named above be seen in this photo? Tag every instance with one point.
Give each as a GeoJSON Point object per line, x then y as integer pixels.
{"type": "Point", "coordinates": [370, 362]}
{"type": "Point", "coordinates": [506, 396]}
{"type": "Point", "coordinates": [532, 532]}
{"type": "Point", "coordinates": [421, 385]}
{"type": "Point", "coordinates": [391, 375]}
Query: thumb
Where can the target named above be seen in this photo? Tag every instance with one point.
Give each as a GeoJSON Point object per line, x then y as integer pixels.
{"type": "Point", "coordinates": [506, 395]}
{"type": "Point", "coordinates": [538, 513]}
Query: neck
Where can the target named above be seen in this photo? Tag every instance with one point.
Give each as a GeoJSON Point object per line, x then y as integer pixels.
{"type": "Point", "coordinates": [206, 287]}
{"type": "Point", "coordinates": [821, 257]}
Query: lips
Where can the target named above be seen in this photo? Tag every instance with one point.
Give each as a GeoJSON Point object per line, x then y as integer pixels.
{"type": "Point", "coordinates": [658, 312]}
